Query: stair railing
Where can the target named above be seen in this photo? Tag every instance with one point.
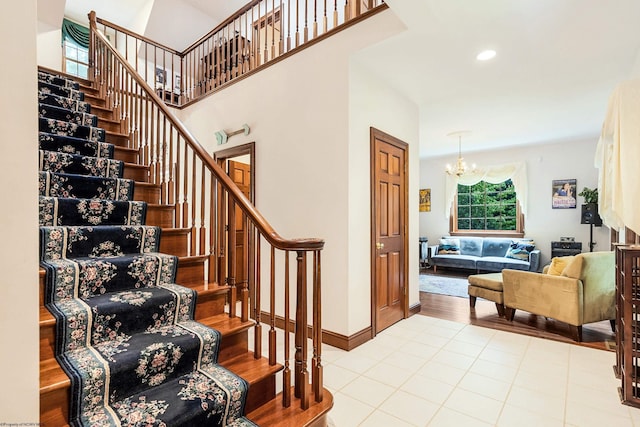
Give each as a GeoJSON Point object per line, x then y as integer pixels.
{"type": "Point", "coordinates": [258, 34]}
{"type": "Point", "coordinates": [205, 198]}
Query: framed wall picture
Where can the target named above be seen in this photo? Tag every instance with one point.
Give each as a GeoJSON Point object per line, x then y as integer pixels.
{"type": "Point", "coordinates": [161, 75]}
{"type": "Point", "coordinates": [563, 193]}
{"type": "Point", "coordinates": [425, 200]}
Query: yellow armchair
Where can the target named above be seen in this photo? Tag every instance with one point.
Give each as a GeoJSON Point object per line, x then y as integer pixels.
{"type": "Point", "coordinates": [583, 293]}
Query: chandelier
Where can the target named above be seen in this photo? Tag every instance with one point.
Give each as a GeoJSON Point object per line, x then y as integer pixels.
{"type": "Point", "coordinates": [460, 167]}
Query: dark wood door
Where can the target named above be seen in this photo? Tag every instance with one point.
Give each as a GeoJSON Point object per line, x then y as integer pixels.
{"type": "Point", "coordinates": [240, 174]}
{"type": "Point", "coordinates": [389, 222]}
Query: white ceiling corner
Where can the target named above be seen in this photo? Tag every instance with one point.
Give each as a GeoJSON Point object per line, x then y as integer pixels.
{"type": "Point", "coordinates": [557, 61]}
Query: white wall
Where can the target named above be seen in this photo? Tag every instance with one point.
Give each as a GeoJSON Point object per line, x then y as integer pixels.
{"type": "Point", "coordinates": [50, 48]}
{"type": "Point", "coordinates": [561, 160]}
{"type": "Point", "coordinates": [372, 104]}
{"type": "Point", "coordinates": [303, 154]}
{"type": "Point", "coordinates": [19, 332]}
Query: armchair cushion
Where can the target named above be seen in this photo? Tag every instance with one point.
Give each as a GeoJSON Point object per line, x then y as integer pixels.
{"type": "Point", "coordinates": [558, 264]}
{"type": "Point", "coordinates": [574, 268]}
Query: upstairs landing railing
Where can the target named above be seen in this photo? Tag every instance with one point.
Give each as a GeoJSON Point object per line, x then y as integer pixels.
{"type": "Point", "coordinates": [205, 200]}
{"type": "Point", "coordinates": [260, 33]}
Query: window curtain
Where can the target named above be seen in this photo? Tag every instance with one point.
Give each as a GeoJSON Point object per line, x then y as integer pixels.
{"type": "Point", "coordinates": [517, 172]}
{"type": "Point", "coordinates": [617, 155]}
{"type": "Point", "coordinates": [75, 32]}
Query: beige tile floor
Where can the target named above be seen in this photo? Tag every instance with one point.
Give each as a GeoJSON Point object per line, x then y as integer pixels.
{"type": "Point", "coordinates": [425, 371]}
{"type": "Point", "coordinates": [431, 372]}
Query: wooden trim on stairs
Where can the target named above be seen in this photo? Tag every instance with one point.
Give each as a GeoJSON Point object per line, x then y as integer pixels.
{"type": "Point", "coordinates": [333, 339]}
{"type": "Point", "coordinates": [274, 414]}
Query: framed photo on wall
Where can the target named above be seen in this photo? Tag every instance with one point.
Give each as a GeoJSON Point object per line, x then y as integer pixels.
{"type": "Point", "coordinates": [425, 200]}
{"type": "Point", "coordinates": [563, 193]}
{"type": "Point", "coordinates": [161, 75]}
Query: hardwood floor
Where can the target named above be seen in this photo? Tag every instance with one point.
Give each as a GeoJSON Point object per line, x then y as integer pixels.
{"type": "Point", "coordinates": [595, 335]}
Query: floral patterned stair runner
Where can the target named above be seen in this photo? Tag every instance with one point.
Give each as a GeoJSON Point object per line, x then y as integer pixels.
{"type": "Point", "coordinates": [61, 127]}
{"type": "Point", "coordinates": [125, 331]}
{"type": "Point", "coordinates": [72, 145]}
{"type": "Point", "coordinates": [55, 161]}
{"type": "Point", "coordinates": [70, 211]}
{"type": "Point", "coordinates": [66, 114]}
{"type": "Point", "coordinates": [62, 101]}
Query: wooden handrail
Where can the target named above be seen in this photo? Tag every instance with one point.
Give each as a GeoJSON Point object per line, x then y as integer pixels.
{"type": "Point", "coordinates": [131, 33]}
{"type": "Point", "coordinates": [220, 26]}
{"type": "Point", "coordinates": [219, 221]}
{"type": "Point", "coordinates": [247, 207]}
{"type": "Point", "coordinates": [255, 36]}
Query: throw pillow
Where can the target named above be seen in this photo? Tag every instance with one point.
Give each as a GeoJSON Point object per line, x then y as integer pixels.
{"type": "Point", "coordinates": [449, 247]}
{"type": "Point", "coordinates": [558, 264]}
{"type": "Point", "coordinates": [520, 250]}
{"type": "Point", "coordinates": [574, 268]}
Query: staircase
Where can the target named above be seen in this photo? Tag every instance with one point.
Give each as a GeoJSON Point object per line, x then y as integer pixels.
{"type": "Point", "coordinates": [136, 203]}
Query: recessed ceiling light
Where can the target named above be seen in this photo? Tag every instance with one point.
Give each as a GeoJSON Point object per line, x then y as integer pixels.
{"type": "Point", "coordinates": [486, 55]}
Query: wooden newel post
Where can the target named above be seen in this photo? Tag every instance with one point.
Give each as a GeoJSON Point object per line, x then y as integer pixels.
{"type": "Point", "coordinates": [301, 373]}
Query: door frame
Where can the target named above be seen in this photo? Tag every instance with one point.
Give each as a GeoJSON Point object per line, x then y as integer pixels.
{"type": "Point", "coordinates": [228, 153]}
{"type": "Point", "coordinates": [220, 157]}
{"type": "Point", "coordinates": [389, 139]}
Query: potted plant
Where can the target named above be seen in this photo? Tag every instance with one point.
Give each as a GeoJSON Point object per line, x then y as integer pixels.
{"type": "Point", "coordinates": [590, 196]}
{"type": "Point", "coordinates": [590, 207]}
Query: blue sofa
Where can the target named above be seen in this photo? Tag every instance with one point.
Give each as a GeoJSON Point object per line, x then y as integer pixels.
{"type": "Point", "coordinates": [486, 254]}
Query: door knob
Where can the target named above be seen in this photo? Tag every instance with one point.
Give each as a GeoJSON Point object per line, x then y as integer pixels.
{"type": "Point", "coordinates": [379, 245]}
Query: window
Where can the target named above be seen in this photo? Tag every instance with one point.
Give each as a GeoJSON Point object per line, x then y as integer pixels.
{"type": "Point", "coordinates": [76, 59]}
{"type": "Point", "coordinates": [485, 208]}
{"type": "Point", "coordinates": [75, 49]}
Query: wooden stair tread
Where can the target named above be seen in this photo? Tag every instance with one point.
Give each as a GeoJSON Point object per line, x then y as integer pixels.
{"type": "Point", "coordinates": [250, 368]}
{"type": "Point", "coordinates": [107, 120]}
{"type": "Point", "coordinates": [225, 324]}
{"type": "Point", "coordinates": [210, 288]}
{"type": "Point", "coordinates": [147, 184]}
{"type": "Point", "coordinates": [117, 134]}
{"type": "Point", "coordinates": [102, 112]}
{"type": "Point", "coordinates": [176, 230]}
{"type": "Point", "coordinates": [160, 205]}
{"type": "Point", "coordinates": [52, 377]}
{"type": "Point", "coordinates": [192, 259]}
{"type": "Point", "coordinates": [135, 165]}
{"type": "Point", "coordinates": [125, 149]}
{"type": "Point", "coordinates": [46, 318]}
{"type": "Point", "coordinates": [273, 414]}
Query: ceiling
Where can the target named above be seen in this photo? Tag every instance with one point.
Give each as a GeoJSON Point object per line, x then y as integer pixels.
{"type": "Point", "coordinates": [557, 63]}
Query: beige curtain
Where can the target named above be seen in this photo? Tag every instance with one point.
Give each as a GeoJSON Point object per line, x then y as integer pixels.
{"type": "Point", "coordinates": [517, 172]}
{"type": "Point", "coordinates": [617, 158]}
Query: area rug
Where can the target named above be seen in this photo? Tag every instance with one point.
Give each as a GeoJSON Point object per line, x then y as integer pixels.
{"type": "Point", "coordinates": [453, 286]}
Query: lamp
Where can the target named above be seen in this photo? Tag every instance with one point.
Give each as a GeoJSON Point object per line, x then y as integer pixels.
{"type": "Point", "coordinates": [461, 166]}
